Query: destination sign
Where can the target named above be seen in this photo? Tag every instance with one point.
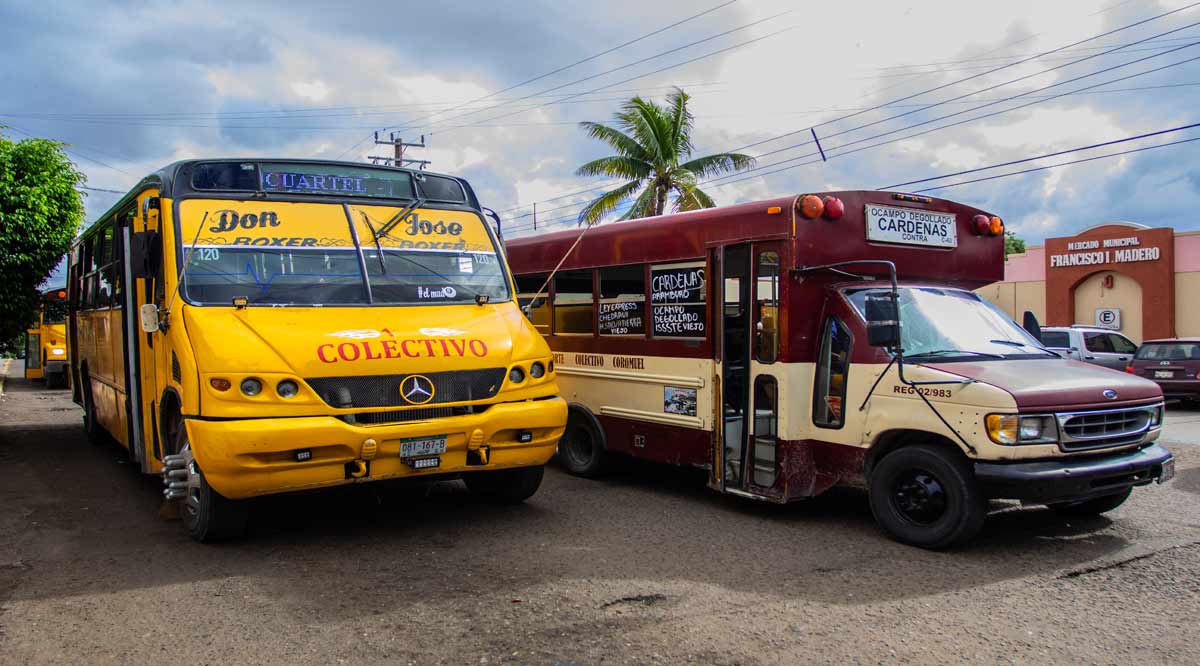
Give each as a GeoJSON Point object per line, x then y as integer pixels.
{"type": "Point", "coordinates": [911, 226]}
{"type": "Point", "coordinates": [677, 284]}
{"type": "Point", "coordinates": [625, 318]}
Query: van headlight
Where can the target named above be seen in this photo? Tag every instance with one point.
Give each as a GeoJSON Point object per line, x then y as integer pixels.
{"type": "Point", "coordinates": [1012, 429]}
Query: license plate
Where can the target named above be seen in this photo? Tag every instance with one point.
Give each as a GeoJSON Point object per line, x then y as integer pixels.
{"type": "Point", "coordinates": [415, 447]}
{"type": "Point", "coordinates": [1163, 374]}
{"type": "Point", "coordinates": [1168, 471]}
{"type": "Point", "coordinates": [425, 463]}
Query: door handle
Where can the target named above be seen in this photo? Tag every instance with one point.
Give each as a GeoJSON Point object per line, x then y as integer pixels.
{"type": "Point", "coordinates": [1122, 358]}
{"type": "Point", "coordinates": [1090, 358]}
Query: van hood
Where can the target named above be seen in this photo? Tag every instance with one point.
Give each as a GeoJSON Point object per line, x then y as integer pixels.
{"type": "Point", "coordinates": [1057, 384]}
{"type": "Point", "coordinates": [337, 342]}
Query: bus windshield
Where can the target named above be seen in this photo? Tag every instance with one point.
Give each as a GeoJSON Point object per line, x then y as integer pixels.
{"type": "Point", "coordinates": [310, 254]}
{"type": "Point", "coordinates": [54, 312]}
{"type": "Point", "coordinates": [950, 323]}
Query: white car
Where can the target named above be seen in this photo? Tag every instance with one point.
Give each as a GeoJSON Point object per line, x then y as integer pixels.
{"type": "Point", "coordinates": [1090, 344]}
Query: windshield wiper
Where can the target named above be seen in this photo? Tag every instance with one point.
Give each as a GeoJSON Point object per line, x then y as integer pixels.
{"type": "Point", "coordinates": [953, 352]}
{"type": "Point", "coordinates": [399, 218]}
{"type": "Point", "coordinates": [1014, 343]}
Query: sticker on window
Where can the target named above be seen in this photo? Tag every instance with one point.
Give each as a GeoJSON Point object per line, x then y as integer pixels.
{"type": "Point", "coordinates": [465, 265]}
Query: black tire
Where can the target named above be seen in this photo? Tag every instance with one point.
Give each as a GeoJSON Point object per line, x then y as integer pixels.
{"type": "Point", "coordinates": [580, 450]}
{"type": "Point", "coordinates": [91, 425]}
{"type": "Point", "coordinates": [927, 496]}
{"type": "Point", "coordinates": [56, 380]}
{"type": "Point", "coordinates": [208, 516]}
{"type": "Point", "coordinates": [1094, 506]}
{"type": "Point", "coordinates": [505, 486]}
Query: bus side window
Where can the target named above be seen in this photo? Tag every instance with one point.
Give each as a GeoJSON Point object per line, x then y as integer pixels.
{"type": "Point", "coordinates": [539, 312]}
{"type": "Point", "coordinates": [766, 307]}
{"type": "Point", "coordinates": [573, 302]}
{"type": "Point", "coordinates": [623, 300]}
{"type": "Point", "coordinates": [104, 255]}
{"type": "Point", "coordinates": [833, 367]}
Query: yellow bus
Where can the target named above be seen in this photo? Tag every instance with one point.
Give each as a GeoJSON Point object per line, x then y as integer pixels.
{"type": "Point", "coordinates": [46, 343]}
{"type": "Point", "coordinates": [253, 327]}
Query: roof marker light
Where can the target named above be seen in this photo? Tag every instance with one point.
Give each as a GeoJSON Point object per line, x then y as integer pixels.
{"type": "Point", "coordinates": [811, 206]}
{"type": "Point", "coordinates": [981, 225]}
{"type": "Point", "coordinates": [995, 227]}
{"type": "Point", "coordinates": [834, 208]}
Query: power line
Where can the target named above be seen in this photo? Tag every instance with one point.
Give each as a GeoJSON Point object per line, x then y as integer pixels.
{"type": "Point", "coordinates": [952, 83]}
{"type": "Point", "coordinates": [1043, 156]}
{"type": "Point", "coordinates": [1061, 164]}
{"type": "Point", "coordinates": [655, 56]}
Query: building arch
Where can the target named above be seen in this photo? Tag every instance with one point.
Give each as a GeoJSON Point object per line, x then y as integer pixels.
{"type": "Point", "coordinates": [1111, 289]}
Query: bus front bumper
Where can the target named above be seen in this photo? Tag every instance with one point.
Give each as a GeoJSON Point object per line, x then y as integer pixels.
{"type": "Point", "coordinates": [252, 457]}
{"type": "Point", "coordinates": [1075, 478]}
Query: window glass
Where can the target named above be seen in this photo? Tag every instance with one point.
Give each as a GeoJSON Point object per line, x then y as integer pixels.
{"type": "Point", "coordinates": [622, 300]}
{"type": "Point", "coordinates": [438, 188]}
{"type": "Point", "coordinates": [1059, 339]}
{"type": "Point", "coordinates": [766, 308]}
{"type": "Point", "coordinates": [573, 302]}
{"type": "Point", "coordinates": [539, 311]}
{"type": "Point", "coordinates": [89, 254]}
{"type": "Point", "coordinates": [1171, 351]}
{"type": "Point", "coordinates": [833, 366]}
{"type": "Point", "coordinates": [104, 246]}
{"type": "Point", "coordinates": [766, 425]}
{"type": "Point", "coordinates": [1097, 342]}
{"type": "Point", "coordinates": [105, 291]}
{"type": "Point", "coordinates": [677, 300]}
{"type": "Point", "coordinates": [1121, 344]}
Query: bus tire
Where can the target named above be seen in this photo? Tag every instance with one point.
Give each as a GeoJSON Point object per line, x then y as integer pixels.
{"type": "Point", "coordinates": [505, 486]}
{"type": "Point", "coordinates": [207, 515]}
{"type": "Point", "coordinates": [91, 425]}
{"type": "Point", "coordinates": [581, 451]}
{"type": "Point", "coordinates": [1094, 506]}
{"type": "Point", "coordinates": [926, 496]}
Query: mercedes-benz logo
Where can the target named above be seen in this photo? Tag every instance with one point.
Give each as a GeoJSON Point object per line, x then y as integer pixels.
{"type": "Point", "coordinates": [1110, 394]}
{"type": "Point", "coordinates": [416, 389]}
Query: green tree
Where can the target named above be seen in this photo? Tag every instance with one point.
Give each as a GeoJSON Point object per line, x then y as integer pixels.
{"type": "Point", "coordinates": [40, 212]}
{"type": "Point", "coordinates": [1013, 244]}
{"type": "Point", "coordinates": [654, 153]}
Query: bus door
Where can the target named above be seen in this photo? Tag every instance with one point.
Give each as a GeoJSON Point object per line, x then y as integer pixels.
{"type": "Point", "coordinates": [141, 348]}
{"type": "Point", "coordinates": [748, 297]}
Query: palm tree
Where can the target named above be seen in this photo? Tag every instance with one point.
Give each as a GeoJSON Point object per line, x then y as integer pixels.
{"type": "Point", "coordinates": [652, 144]}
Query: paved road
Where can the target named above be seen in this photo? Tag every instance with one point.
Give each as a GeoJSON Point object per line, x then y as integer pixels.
{"type": "Point", "coordinates": [647, 567]}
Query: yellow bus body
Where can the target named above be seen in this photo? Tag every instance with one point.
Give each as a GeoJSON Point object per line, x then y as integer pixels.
{"type": "Point", "coordinates": [46, 348]}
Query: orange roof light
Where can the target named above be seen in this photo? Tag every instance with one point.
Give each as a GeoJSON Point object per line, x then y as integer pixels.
{"type": "Point", "coordinates": [774, 210]}
{"type": "Point", "coordinates": [811, 206]}
{"type": "Point", "coordinates": [996, 227]}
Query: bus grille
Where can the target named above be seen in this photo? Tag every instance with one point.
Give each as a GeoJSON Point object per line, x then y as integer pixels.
{"type": "Point", "coordinates": [1110, 427]}
{"type": "Point", "coordinates": [384, 390]}
{"type": "Point", "coordinates": [409, 415]}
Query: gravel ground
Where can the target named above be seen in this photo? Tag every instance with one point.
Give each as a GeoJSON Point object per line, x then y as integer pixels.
{"type": "Point", "coordinates": [646, 567]}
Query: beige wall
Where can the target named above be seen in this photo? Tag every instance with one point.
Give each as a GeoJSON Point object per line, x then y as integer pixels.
{"type": "Point", "coordinates": [1017, 297]}
{"type": "Point", "coordinates": [1125, 294]}
{"type": "Point", "coordinates": [1187, 304]}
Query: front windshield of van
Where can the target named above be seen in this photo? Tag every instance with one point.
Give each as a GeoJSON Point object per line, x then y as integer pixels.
{"type": "Point", "coordinates": [952, 323]}
{"type": "Point", "coordinates": [279, 253]}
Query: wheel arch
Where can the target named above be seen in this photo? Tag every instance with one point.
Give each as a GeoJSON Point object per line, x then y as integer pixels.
{"type": "Point", "coordinates": [170, 409]}
{"type": "Point", "coordinates": [891, 440]}
{"type": "Point", "coordinates": [580, 411]}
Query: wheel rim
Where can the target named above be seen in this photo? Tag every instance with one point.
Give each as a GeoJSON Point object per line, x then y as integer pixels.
{"type": "Point", "coordinates": [919, 496]}
{"type": "Point", "coordinates": [191, 502]}
{"type": "Point", "coordinates": [580, 447]}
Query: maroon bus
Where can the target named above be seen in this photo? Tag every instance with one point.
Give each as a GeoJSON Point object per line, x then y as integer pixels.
{"type": "Point", "coordinates": [800, 343]}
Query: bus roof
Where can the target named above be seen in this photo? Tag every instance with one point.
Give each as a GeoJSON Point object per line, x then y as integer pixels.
{"type": "Point", "coordinates": [975, 261]}
{"type": "Point", "coordinates": [173, 179]}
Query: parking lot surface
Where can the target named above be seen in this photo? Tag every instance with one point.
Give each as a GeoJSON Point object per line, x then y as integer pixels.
{"type": "Point", "coordinates": [644, 567]}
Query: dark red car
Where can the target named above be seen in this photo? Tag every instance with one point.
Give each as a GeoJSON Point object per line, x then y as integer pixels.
{"type": "Point", "coordinates": [1174, 363]}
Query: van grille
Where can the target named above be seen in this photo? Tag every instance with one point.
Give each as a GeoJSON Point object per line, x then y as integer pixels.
{"type": "Point", "coordinates": [1110, 427]}
{"type": "Point", "coordinates": [384, 390]}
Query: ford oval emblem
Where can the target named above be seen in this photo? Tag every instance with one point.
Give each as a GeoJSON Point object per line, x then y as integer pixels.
{"type": "Point", "coordinates": [1110, 394]}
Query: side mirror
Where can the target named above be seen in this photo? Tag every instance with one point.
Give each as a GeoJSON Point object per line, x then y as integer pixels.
{"type": "Point", "coordinates": [883, 320]}
{"type": "Point", "coordinates": [149, 317]}
{"type": "Point", "coordinates": [1031, 324]}
{"type": "Point", "coordinates": [145, 254]}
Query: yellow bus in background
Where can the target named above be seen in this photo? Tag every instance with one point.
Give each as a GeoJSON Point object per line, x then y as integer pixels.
{"type": "Point", "coordinates": [46, 342]}
{"type": "Point", "coordinates": [254, 327]}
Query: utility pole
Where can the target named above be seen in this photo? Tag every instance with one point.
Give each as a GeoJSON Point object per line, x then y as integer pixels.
{"type": "Point", "coordinates": [398, 145]}
{"type": "Point", "coordinates": [535, 216]}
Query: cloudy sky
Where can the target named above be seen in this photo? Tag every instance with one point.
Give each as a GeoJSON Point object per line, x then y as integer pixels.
{"type": "Point", "coordinates": [497, 87]}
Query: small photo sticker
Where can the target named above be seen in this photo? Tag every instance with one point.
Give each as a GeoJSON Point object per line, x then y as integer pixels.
{"type": "Point", "coordinates": [465, 265]}
{"type": "Point", "coordinates": [677, 400]}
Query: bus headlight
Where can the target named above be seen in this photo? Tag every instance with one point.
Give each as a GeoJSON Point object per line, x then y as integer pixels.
{"type": "Point", "coordinates": [537, 370]}
{"type": "Point", "coordinates": [516, 375]}
{"type": "Point", "coordinates": [251, 386]}
{"type": "Point", "coordinates": [1010, 429]}
{"type": "Point", "coordinates": [57, 352]}
{"type": "Point", "coordinates": [287, 389]}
